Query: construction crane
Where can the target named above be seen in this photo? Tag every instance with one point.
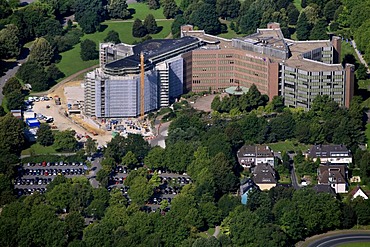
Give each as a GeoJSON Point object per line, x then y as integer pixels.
{"type": "Point", "coordinates": [142, 86]}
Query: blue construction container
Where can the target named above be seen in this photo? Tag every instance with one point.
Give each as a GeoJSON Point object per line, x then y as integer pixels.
{"type": "Point", "coordinates": [32, 122]}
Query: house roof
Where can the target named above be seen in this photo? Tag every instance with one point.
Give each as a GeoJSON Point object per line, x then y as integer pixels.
{"type": "Point", "coordinates": [355, 190]}
{"type": "Point", "coordinates": [324, 188]}
{"type": "Point", "coordinates": [264, 174]}
{"type": "Point", "coordinates": [253, 150]}
{"type": "Point", "coordinates": [326, 151]}
{"type": "Point", "coordinates": [151, 49]}
{"type": "Point", "coordinates": [329, 174]}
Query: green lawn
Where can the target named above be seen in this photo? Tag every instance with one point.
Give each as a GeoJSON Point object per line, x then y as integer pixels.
{"type": "Point", "coordinates": [39, 149]}
{"type": "Point", "coordinates": [364, 84]}
{"type": "Point", "coordinates": [297, 4]}
{"type": "Point", "coordinates": [346, 48]}
{"type": "Point", "coordinates": [230, 33]}
{"type": "Point", "coordinates": [142, 10]}
{"type": "Point", "coordinates": [285, 179]}
{"type": "Point", "coordinates": [71, 61]}
{"type": "Point", "coordinates": [288, 146]}
{"type": "Point", "coordinates": [359, 244]}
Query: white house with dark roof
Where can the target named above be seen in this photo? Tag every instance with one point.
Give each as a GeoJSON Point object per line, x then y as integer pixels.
{"type": "Point", "coordinates": [338, 154]}
{"type": "Point", "coordinates": [333, 175]}
{"type": "Point", "coordinates": [358, 192]}
{"type": "Point", "coordinates": [264, 176]}
{"type": "Point", "coordinates": [251, 155]}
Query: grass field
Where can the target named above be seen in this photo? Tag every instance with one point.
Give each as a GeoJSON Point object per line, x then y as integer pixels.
{"type": "Point", "coordinates": [288, 146]}
{"type": "Point", "coordinates": [297, 4]}
{"type": "Point", "coordinates": [71, 61]}
{"type": "Point", "coordinates": [346, 48]}
{"type": "Point", "coordinates": [37, 149]}
{"type": "Point", "coordinates": [141, 10]}
{"type": "Point", "coordinates": [230, 33]}
{"type": "Point", "coordinates": [359, 244]}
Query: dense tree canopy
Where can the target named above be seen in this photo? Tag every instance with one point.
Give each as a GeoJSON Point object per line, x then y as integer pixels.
{"type": "Point", "coordinates": [88, 50]}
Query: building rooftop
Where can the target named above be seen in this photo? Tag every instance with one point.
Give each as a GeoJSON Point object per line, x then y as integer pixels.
{"type": "Point", "coordinates": [264, 174]}
{"type": "Point", "coordinates": [151, 49]}
{"type": "Point", "coordinates": [326, 151]}
{"type": "Point", "coordinates": [324, 188]}
{"type": "Point", "coordinates": [271, 43]}
{"type": "Point", "coordinates": [328, 174]}
{"type": "Point", "coordinates": [255, 150]}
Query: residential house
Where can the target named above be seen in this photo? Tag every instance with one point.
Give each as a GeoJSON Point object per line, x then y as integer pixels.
{"type": "Point", "coordinates": [334, 175]}
{"type": "Point", "coordinates": [338, 154]}
{"type": "Point", "coordinates": [251, 155]}
{"type": "Point", "coordinates": [264, 176]}
{"type": "Point", "coordinates": [245, 188]}
{"type": "Point", "coordinates": [358, 192]}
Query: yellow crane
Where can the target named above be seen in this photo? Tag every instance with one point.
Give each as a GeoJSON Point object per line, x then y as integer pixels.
{"type": "Point", "coordinates": [142, 85]}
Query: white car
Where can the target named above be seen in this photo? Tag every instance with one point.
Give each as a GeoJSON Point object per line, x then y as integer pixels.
{"type": "Point", "coordinates": [31, 99]}
{"type": "Point", "coordinates": [36, 99]}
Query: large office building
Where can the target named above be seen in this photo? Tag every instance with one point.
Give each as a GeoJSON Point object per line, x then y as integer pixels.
{"type": "Point", "coordinates": [296, 70]}
{"type": "Point", "coordinates": [114, 89]}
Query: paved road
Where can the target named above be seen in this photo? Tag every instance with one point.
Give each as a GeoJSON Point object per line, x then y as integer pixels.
{"type": "Point", "coordinates": [341, 239]}
{"type": "Point", "coordinates": [294, 179]}
{"type": "Point", "coordinates": [13, 68]}
{"type": "Point", "coordinates": [359, 55]}
{"type": "Point", "coordinates": [159, 140]}
{"type": "Point", "coordinates": [95, 167]}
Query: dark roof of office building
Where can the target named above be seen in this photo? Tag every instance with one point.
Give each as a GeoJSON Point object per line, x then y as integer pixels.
{"type": "Point", "coordinates": [325, 151]}
{"type": "Point", "coordinates": [264, 174]}
{"type": "Point", "coordinates": [150, 49]}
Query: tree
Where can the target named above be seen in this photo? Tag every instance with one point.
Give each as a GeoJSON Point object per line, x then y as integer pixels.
{"type": "Point", "coordinates": [45, 135]}
{"type": "Point", "coordinates": [9, 41]}
{"type": "Point", "coordinates": [75, 224]}
{"type": "Point", "coordinates": [34, 74]}
{"type": "Point", "coordinates": [318, 31]}
{"type": "Point", "coordinates": [113, 37]}
{"type": "Point", "coordinates": [41, 52]}
{"type": "Point", "coordinates": [155, 158]}
{"type": "Point", "coordinates": [361, 73]}
{"type": "Point", "coordinates": [13, 84]}
{"type": "Point", "coordinates": [2, 111]}
{"type": "Point", "coordinates": [150, 24]}
{"type": "Point", "coordinates": [227, 8]}
{"type": "Point", "coordinates": [293, 14]}
{"type": "Point", "coordinates": [66, 141]}
{"type": "Point", "coordinates": [53, 72]}
{"type": "Point", "coordinates": [90, 146]}
{"type": "Point", "coordinates": [330, 8]}
{"type": "Point", "coordinates": [138, 30]}
{"type": "Point", "coordinates": [170, 9]}
{"type": "Point", "coordinates": [153, 4]}
{"type": "Point", "coordinates": [15, 100]}
{"type": "Point", "coordinates": [140, 190]}
{"type": "Point", "coordinates": [88, 50]}
{"type": "Point", "coordinates": [277, 103]}
{"type": "Point", "coordinates": [205, 17]}
{"type": "Point", "coordinates": [89, 14]}
{"type": "Point", "coordinates": [303, 27]}
{"type": "Point", "coordinates": [118, 9]}
{"type": "Point", "coordinates": [129, 160]}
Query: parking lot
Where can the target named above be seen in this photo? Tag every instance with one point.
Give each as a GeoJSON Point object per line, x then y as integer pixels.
{"type": "Point", "coordinates": [34, 177]}
{"type": "Point", "coordinates": [171, 185]}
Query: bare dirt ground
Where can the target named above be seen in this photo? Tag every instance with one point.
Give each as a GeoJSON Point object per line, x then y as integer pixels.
{"type": "Point", "coordinates": [204, 103]}
{"type": "Point", "coordinates": [75, 122]}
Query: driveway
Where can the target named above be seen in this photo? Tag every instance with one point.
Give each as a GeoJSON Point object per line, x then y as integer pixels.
{"type": "Point", "coordinates": [95, 167]}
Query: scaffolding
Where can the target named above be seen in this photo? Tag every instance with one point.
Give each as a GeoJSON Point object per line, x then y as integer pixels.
{"type": "Point", "coordinates": [142, 85]}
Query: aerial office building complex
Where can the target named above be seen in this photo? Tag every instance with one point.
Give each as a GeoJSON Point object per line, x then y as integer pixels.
{"type": "Point", "coordinates": [114, 89]}
{"type": "Point", "coordinates": [296, 70]}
